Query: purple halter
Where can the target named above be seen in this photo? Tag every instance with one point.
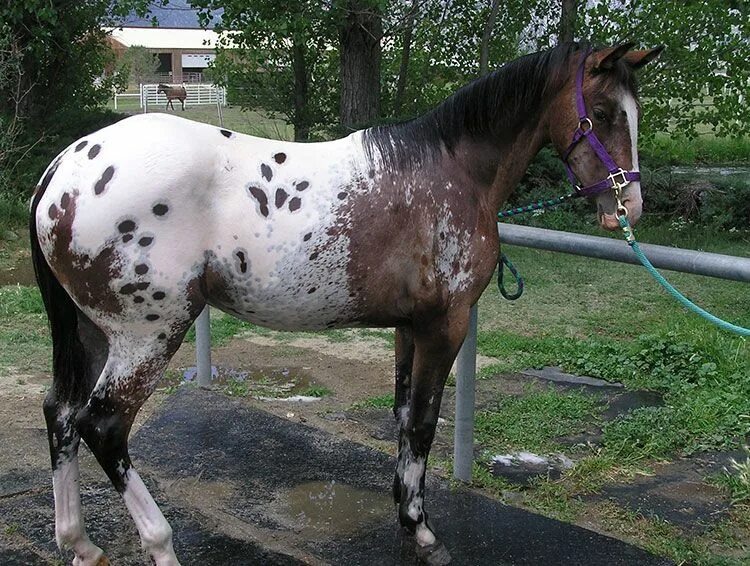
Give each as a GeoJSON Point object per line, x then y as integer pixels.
{"type": "Point", "coordinates": [618, 178]}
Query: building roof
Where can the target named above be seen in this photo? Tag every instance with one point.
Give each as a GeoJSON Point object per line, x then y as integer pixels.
{"type": "Point", "coordinates": [162, 38]}
{"type": "Point", "coordinates": [176, 14]}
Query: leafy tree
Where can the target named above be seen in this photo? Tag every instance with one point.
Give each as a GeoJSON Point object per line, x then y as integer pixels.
{"type": "Point", "coordinates": [702, 78]}
{"type": "Point", "coordinates": [272, 56]}
{"type": "Point", "coordinates": [137, 64]}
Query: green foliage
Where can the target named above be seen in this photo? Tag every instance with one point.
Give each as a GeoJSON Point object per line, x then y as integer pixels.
{"type": "Point", "coordinates": [702, 77]}
{"type": "Point", "coordinates": [534, 420]}
{"type": "Point", "coordinates": [137, 64]}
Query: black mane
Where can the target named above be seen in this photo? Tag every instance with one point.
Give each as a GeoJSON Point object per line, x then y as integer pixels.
{"type": "Point", "coordinates": [484, 109]}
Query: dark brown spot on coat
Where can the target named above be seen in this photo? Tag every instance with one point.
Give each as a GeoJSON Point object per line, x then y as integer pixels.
{"type": "Point", "coordinates": [243, 262]}
{"type": "Point", "coordinates": [65, 200]}
{"type": "Point", "coordinates": [260, 195]}
{"type": "Point", "coordinates": [81, 145]}
{"type": "Point", "coordinates": [127, 289]}
{"type": "Point", "coordinates": [126, 226]}
{"type": "Point", "coordinates": [307, 236]}
{"type": "Point", "coordinates": [302, 185]}
{"type": "Point", "coordinates": [143, 285]}
{"type": "Point", "coordinates": [159, 295]}
{"type": "Point", "coordinates": [160, 209]}
{"type": "Point", "coordinates": [106, 177]}
{"type": "Point", "coordinates": [294, 204]}
{"type": "Point", "coordinates": [265, 170]}
{"type": "Point", "coordinates": [52, 211]}
{"type": "Point", "coordinates": [281, 196]}
{"type": "Point", "coordinates": [87, 278]}
{"type": "Point", "coordinates": [226, 133]}
{"type": "Point", "coordinates": [126, 238]}
{"type": "Point", "coordinates": [152, 317]}
{"type": "Point", "coordinates": [341, 195]}
{"type": "Point", "coordinates": [280, 158]}
{"type": "Point", "coordinates": [138, 299]}
{"type": "Point", "coordinates": [94, 151]}
{"type": "Point", "coordinates": [145, 241]}
{"type": "Point", "coordinates": [314, 255]}
{"type": "Point", "coordinates": [141, 269]}
{"type": "Point", "coordinates": [311, 290]}
{"type": "Point", "coordinates": [162, 336]}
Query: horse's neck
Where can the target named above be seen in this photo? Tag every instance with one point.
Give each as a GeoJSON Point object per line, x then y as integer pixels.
{"type": "Point", "coordinates": [497, 167]}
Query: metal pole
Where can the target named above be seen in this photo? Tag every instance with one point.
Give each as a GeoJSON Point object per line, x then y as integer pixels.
{"type": "Point", "coordinates": [203, 334]}
{"type": "Point", "coordinates": [466, 371]}
{"type": "Point", "coordinates": [203, 347]}
{"type": "Point", "coordinates": [664, 257]}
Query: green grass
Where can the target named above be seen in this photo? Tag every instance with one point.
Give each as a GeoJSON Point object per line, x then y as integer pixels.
{"type": "Point", "coordinates": [665, 149]}
{"type": "Point", "coordinates": [316, 391]}
{"type": "Point", "coordinates": [377, 402]}
{"type": "Point", "coordinates": [24, 339]}
{"type": "Point", "coordinates": [534, 420]}
{"type": "Point", "coordinates": [234, 118]}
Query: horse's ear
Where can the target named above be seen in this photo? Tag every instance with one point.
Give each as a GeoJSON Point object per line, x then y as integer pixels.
{"type": "Point", "coordinates": [637, 59]}
{"type": "Point", "coordinates": [605, 59]}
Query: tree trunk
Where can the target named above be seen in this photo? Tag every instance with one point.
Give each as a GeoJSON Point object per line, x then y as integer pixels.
{"type": "Point", "coordinates": [403, 70]}
{"type": "Point", "coordinates": [484, 53]}
{"type": "Point", "coordinates": [301, 119]}
{"type": "Point", "coordinates": [568, 20]}
{"type": "Point", "coordinates": [359, 37]}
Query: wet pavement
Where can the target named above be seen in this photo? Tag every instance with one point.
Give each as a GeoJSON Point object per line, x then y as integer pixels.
{"type": "Point", "coordinates": [241, 486]}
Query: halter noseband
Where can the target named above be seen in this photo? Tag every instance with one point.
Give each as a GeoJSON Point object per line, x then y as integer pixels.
{"type": "Point", "coordinates": [618, 178]}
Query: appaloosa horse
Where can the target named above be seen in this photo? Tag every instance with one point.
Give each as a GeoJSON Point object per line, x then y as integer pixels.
{"type": "Point", "coordinates": [172, 92]}
{"type": "Point", "coordinates": [393, 226]}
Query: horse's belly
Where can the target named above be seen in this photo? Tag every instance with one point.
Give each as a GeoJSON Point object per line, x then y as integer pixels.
{"type": "Point", "coordinates": [287, 281]}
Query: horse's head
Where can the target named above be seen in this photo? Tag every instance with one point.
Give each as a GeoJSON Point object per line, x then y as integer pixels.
{"type": "Point", "coordinates": [599, 103]}
{"type": "Point", "coordinates": [162, 88]}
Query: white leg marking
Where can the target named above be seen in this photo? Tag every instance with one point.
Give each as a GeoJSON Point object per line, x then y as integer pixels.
{"type": "Point", "coordinates": [69, 529]}
{"type": "Point", "coordinates": [156, 534]}
{"type": "Point", "coordinates": [424, 535]}
{"type": "Point", "coordinates": [412, 477]}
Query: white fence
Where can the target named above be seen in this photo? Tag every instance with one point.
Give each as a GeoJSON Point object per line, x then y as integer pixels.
{"type": "Point", "coordinates": [198, 94]}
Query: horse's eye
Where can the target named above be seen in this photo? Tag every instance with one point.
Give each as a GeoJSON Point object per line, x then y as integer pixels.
{"type": "Point", "coordinates": [599, 115]}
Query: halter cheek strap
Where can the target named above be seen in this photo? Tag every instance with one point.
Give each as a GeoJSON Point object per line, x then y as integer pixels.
{"type": "Point", "coordinates": [618, 178]}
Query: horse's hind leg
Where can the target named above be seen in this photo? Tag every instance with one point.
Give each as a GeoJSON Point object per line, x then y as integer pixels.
{"type": "Point", "coordinates": [404, 363]}
{"type": "Point", "coordinates": [133, 368]}
{"type": "Point", "coordinates": [68, 394]}
{"type": "Point", "coordinates": [436, 343]}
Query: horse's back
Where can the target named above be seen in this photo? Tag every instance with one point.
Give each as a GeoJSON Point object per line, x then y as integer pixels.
{"type": "Point", "coordinates": [156, 203]}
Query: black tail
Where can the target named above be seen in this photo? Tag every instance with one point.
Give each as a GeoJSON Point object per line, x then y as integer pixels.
{"type": "Point", "coordinates": [68, 355]}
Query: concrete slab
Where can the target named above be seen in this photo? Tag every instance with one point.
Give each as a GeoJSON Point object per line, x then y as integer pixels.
{"type": "Point", "coordinates": [241, 486]}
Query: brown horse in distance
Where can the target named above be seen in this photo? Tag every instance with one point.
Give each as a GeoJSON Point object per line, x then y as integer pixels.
{"type": "Point", "coordinates": [172, 92]}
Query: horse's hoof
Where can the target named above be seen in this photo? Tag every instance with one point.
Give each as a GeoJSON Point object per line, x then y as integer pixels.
{"type": "Point", "coordinates": [434, 554]}
{"type": "Point", "coordinates": [102, 561]}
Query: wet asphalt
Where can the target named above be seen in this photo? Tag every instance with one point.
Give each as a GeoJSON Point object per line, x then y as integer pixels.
{"type": "Point", "coordinates": [240, 486]}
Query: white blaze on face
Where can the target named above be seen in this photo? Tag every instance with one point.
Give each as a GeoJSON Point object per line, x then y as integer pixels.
{"type": "Point", "coordinates": [632, 194]}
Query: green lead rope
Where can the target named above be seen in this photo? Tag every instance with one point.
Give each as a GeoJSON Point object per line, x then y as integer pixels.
{"type": "Point", "coordinates": [539, 205]}
{"type": "Point", "coordinates": [502, 262]}
{"type": "Point", "coordinates": [630, 238]}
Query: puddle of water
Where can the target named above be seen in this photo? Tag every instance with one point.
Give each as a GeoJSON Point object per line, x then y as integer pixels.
{"type": "Point", "coordinates": [334, 508]}
{"type": "Point", "coordinates": [281, 383]}
{"type": "Point", "coordinates": [22, 273]}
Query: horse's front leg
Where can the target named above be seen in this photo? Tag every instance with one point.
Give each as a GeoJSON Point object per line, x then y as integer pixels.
{"type": "Point", "coordinates": [436, 343]}
{"type": "Point", "coordinates": [404, 363]}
